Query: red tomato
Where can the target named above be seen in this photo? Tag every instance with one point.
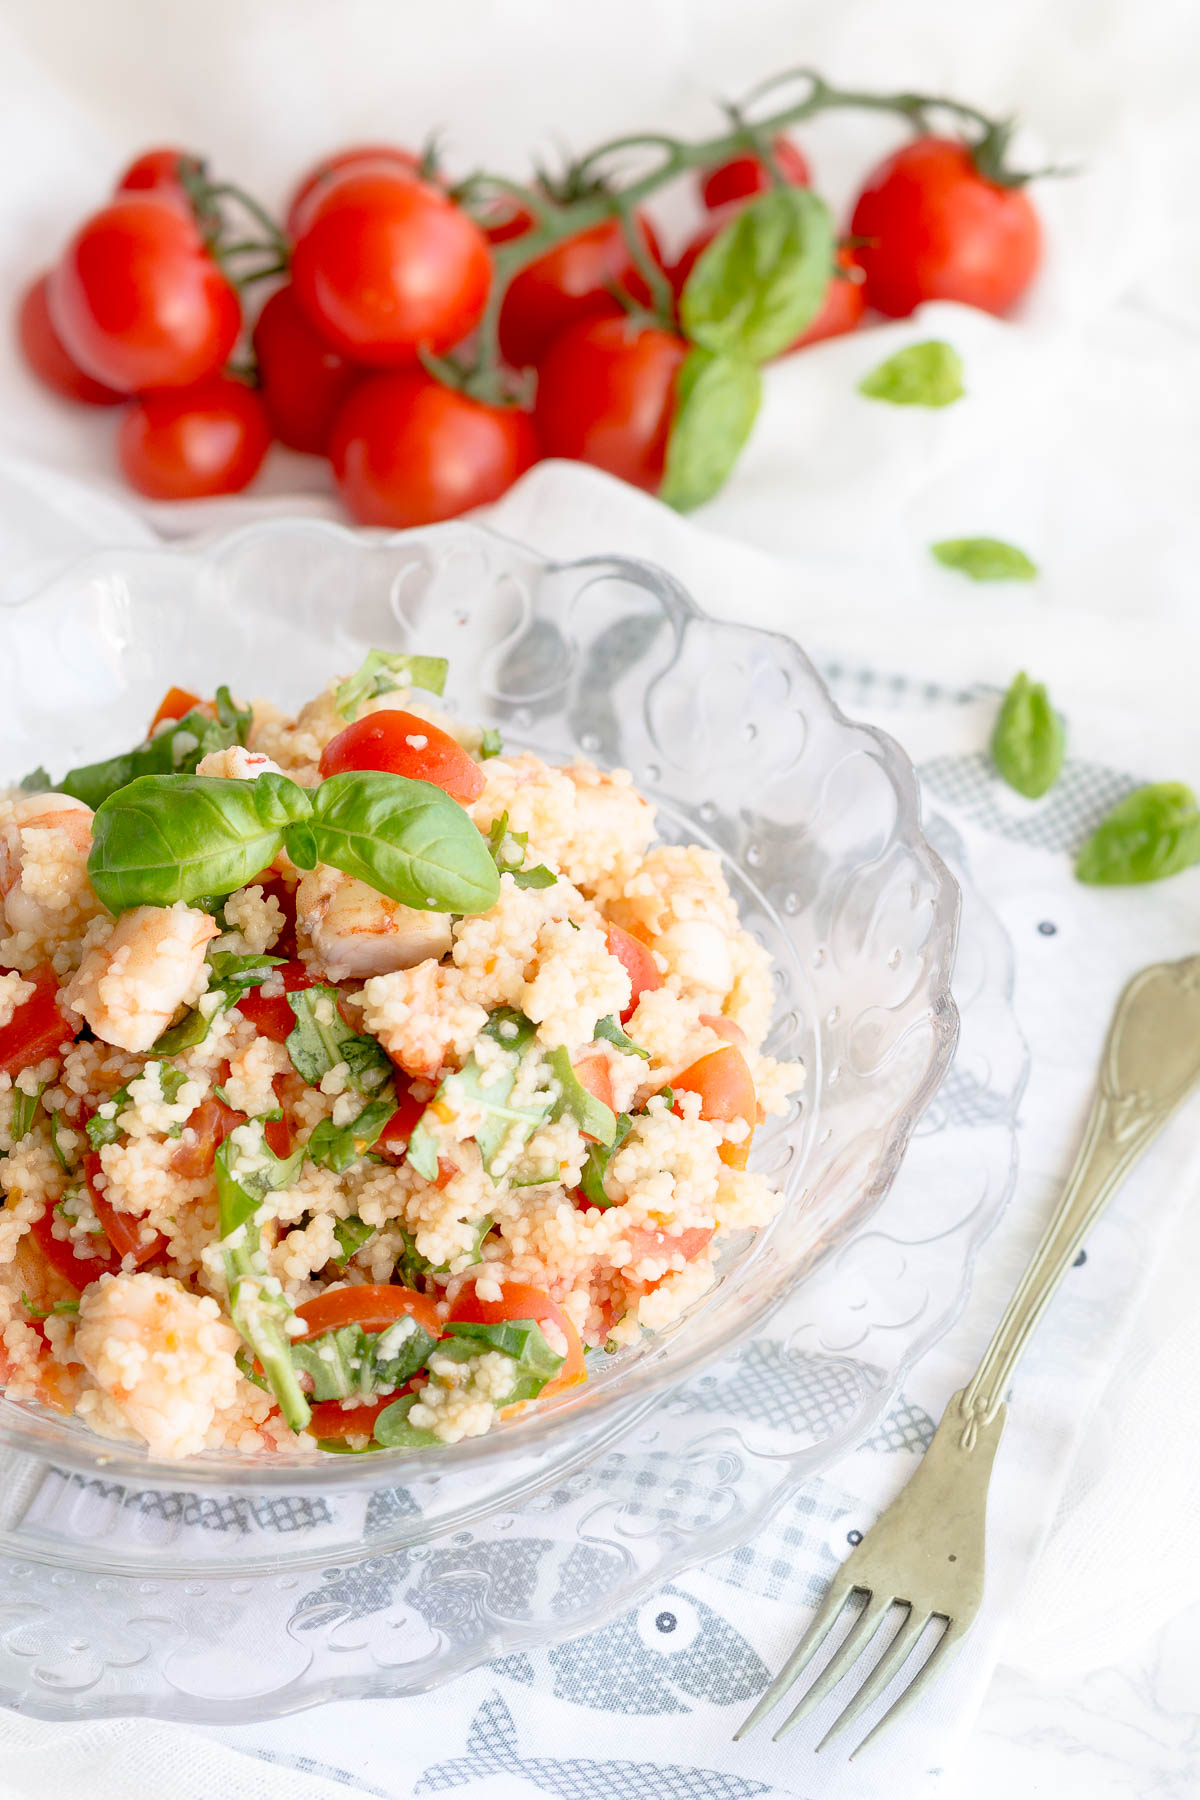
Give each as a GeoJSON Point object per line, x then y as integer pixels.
{"type": "Point", "coordinates": [185, 443]}
{"type": "Point", "coordinates": [606, 393]}
{"type": "Point", "coordinates": [37, 1027]}
{"type": "Point", "coordinates": [270, 1015]}
{"type": "Point", "coordinates": [573, 280]}
{"type": "Point", "coordinates": [386, 263]}
{"type": "Point", "coordinates": [638, 963]}
{"type": "Point", "coordinates": [729, 1029]}
{"type": "Point", "coordinates": [593, 1073]}
{"type": "Point", "coordinates": [137, 300]}
{"type": "Point", "coordinates": [157, 172]}
{"type": "Point", "coordinates": [744, 176]}
{"type": "Point", "coordinates": [393, 1139]}
{"type": "Point", "coordinates": [937, 230]}
{"type": "Point", "coordinates": [507, 220]}
{"type": "Point", "coordinates": [44, 354]}
{"type": "Point", "coordinates": [304, 381]}
{"type": "Point", "coordinates": [358, 156]}
{"type": "Point", "coordinates": [80, 1271]}
{"type": "Point", "coordinates": [173, 705]}
{"type": "Point", "coordinates": [408, 451]}
{"type": "Point", "coordinates": [403, 744]}
{"type": "Point", "coordinates": [123, 1230]}
{"type": "Point", "coordinates": [330, 1419]}
{"type": "Point", "coordinates": [204, 1133]}
{"type": "Point", "coordinates": [843, 307]}
{"type": "Point", "coordinates": [726, 1089]}
{"type": "Point", "coordinates": [688, 1244]}
{"type": "Point", "coordinates": [521, 1302]}
{"type": "Point", "coordinates": [374, 1307]}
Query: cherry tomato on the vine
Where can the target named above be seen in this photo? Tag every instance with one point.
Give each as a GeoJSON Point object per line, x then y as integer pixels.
{"type": "Point", "coordinates": [573, 280]}
{"type": "Point", "coordinates": [401, 743]}
{"type": "Point", "coordinates": [304, 380]}
{"type": "Point", "coordinates": [385, 264]}
{"type": "Point", "coordinates": [355, 156]}
{"type": "Point", "coordinates": [138, 301]}
{"type": "Point", "coordinates": [606, 391]}
{"type": "Point", "coordinates": [157, 172]}
{"type": "Point", "coordinates": [184, 443]}
{"type": "Point", "coordinates": [936, 229]}
{"type": "Point", "coordinates": [744, 176]}
{"type": "Point", "coordinates": [407, 450]}
{"type": "Point", "coordinates": [46, 356]}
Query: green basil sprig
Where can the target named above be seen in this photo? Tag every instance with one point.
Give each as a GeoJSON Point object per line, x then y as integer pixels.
{"type": "Point", "coordinates": [1154, 832]}
{"type": "Point", "coordinates": [763, 278]}
{"type": "Point", "coordinates": [717, 397]}
{"type": "Point", "coordinates": [165, 838]}
{"type": "Point", "coordinates": [984, 559]}
{"type": "Point", "coordinates": [920, 375]}
{"type": "Point", "coordinates": [175, 750]}
{"type": "Point", "coordinates": [383, 671]}
{"type": "Point", "coordinates": [1028, 741]}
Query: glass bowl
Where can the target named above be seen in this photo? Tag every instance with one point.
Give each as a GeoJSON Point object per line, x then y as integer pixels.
{"type": "Point", "coordinates": [730, 731]}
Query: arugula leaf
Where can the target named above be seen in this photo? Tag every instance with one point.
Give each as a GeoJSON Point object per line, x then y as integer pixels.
{"type": "Point", "coordinates": [257, 1304]}
{"type": "Point", "coordinates": [498, 836]}
{"type": "Point", "coordinates": [516, 1033]}
{"type": "Point", "coordinates": [322, 1039]}
{"type": "Point", "coordinates": [176, 751]}
{"type": "Point", "coordinates": [231, 977]}
{"type": "Point", "coordinates": [24, 1112]}
{"type": "Point", "coordinates": [339, 1147]}
{"type": "Point", "coordinates": [595, 1165]}
{"type": "Point", "coordinates": [101, 1131]}
{"type": "Point", "coordinates": [536, 1363]}
{"type": "Point", "coordinates": [393, 1431]}
{"type": "Point", "coordinates": [984, 559]}
{"type": "Point", "coordinates": [351, 1235]}
{"type": "Point", "coordinates": [592, 1116]}
{"type": "Point", "coordinates": [491, 744]}
{"type": "Point", "coordinates": [350, 1361]}
{"type": "Point", "coordinates": [383, 671]}
{"type": "Point", "coordinates": [609, 1028]}
{"type": "Point", "coordinates": [928, 374]}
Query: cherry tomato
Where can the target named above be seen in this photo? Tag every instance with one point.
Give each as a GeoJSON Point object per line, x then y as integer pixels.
{"type": "Point", "coordinates": [37, 1027]}
{"type": "Point", "coordinates": [157, 172]}
{"type": "Point", "coordinates": [386, 263]}
{"type": "Point", "coordinates": [372, 1306]}
{"type": "Point", "coordinates": [44, 354]}
{"type": "Point", "coordinates": [573, 280]}
{"type": "Point", "coordinates": [937, 230]}
{"type": "Point", "coordinates": [403, 744]}
{"type": "Point", "coordinates": [80, 1271]}
{"type": "Point", "coordinates": [638, 963]}
{"type": "Point", "coordinates": [357, 156]}
{"type": "Point", "coordinates": [393, 1139]}
{"type": "Point", "coordinates": [521, 1302]}
{"type": "Point", "coordinates": [408, 451]}
{"type": "Point", "coordinates": [137, 300]}
{"type": "Point", "coordinates": [204, 1133]}
{"type": "Point", "coordinates": [726, 1089]}
{"type": "Point", "coordinates": [303, 380]}
{"type": "Point", "coordinates": [173, 705]}
{"type": "Point", "coordinates": [606, 392]}
{"type": "Point", "coordinates": [270, 1014]}
{"type": "Point", "coordinates": [185, 443]}
{"type": "Point", "coordinates": [330, 1419]}
{"type": "Point", "coordinates": [123, 1230]}
{"type": "Point", "coordinates": [507, 220]}
{"type": "Point", "coordinates": [744, 176]}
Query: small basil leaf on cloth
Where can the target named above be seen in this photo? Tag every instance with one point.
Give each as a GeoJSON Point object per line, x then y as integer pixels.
{"type": "Point", "coordinates": [407, 839]}
{"type": "Point", "coordinates": [321, 1039]}
{"type": "Point", "coordinates": [1154, 832]}
{"type": "Point", "coordinates": [921, 375]}
{"type": "Point", "coordinates": [763, 277]}
{"type": "Point", "coordinates": [716, 402]}
{"type": "Point", "coordinates": [984, 559]}
{"type": "Point", "coordinates": [383, 671]}
{"type": "Point", "coordinates": [174, 751]}
{"type": "Point", "coordinates": [1028, 741]}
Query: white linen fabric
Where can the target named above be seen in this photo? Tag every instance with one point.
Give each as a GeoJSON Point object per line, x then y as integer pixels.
{"type": "Point", "coordinates": [1076, 440]}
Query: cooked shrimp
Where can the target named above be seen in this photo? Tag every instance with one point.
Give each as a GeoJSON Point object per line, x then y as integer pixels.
{"type": "Point", "coordinates": [129, 987]}
{"type": "Point", "coordinates": [44, 844]}
{"type": "Point", "coordinates": [236, 764]}
{"type": "Point", "coordinates": [420, 1017]}
{"type": "Point", "coordinates": [352, 932]}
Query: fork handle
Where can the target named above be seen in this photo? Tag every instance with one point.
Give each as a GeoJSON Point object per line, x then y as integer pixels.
{"type": "Point", "coordinates": [1151, 1059]}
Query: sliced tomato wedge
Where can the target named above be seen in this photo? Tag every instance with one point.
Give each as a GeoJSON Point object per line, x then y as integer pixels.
{"type": "Point", "coordinates": [270, 1014]}
{"type": "Point", "coordinates": [123, 1230]}
{"type": "Point", "coordinates": [205, 1131]}
{"type": "Point", "coordinates": [80, 1271]}
{"type": "Point", "coordinates": [635, 958]}
{"type": "Point", "coordinates": [521, 1302]}
{"type": "Point", "coordinates": [37, 1027]}
{"type": "Point", "coordinates": [393, 1139]}
{"type": "Point", "coordinates": [330, 1419]}
{"type": "Point", "coordinates": [403, 744]}
{"type": "Point", "coordinates": [688, 1244]}
{"type": "Point", "coordinates": [726, 1089]}
{"type": "Point", "coordinates": [173, 705]}
{"type": "Point", "coordinates": [593, 1073]}
{"type": "Point", "coordinates": [374, 1306]}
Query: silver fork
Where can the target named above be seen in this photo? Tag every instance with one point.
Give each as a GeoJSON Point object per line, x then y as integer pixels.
{"type": "Point", "coordinates": [926, 1553]}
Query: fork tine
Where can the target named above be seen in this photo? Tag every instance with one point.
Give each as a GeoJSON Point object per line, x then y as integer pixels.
{"type": "Point", "coordinates": [888, 1665]}
{"type": "Point", "coordinates": [949, 1637]}
{"type": "Point", "coordinates": [803, 1654]}
{"type": "Point", "coordinates": [874, 1611]}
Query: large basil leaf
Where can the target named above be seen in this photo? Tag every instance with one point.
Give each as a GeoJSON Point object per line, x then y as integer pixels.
{"type": "Point", "coordinates": [407, 839]}
{"type": "Point", "coordinates": [928, 374]}
{"type": "Point", "coordinates": [1152, 833]}
{"type": "Point", "coordinates": [382, 671]}
{"type": "Point", "coordinates": [164, 838]}
{"type": "Point", "coordinates": [321, 1039]}
{"type": "Point", "coordinates": [1028, 741]}
{"type": "Point", "coordinates": [716, 402]}
{"type": "Point", "coordinates": [763, 278]}
{"type": "Point", "coordinates": [173, 751]}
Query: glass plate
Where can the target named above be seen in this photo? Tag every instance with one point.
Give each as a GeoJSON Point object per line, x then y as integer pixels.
{"type": "Point", "coordinates": [128, 1585]}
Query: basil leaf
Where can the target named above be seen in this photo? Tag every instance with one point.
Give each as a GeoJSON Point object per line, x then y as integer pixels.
{"type": "Point", "coordinates": [60, 1155]}
{"type": "Point", "coordinates": [407, 839]}
{"type": "Point", "coordinates": [716, 402]}
{"type": "Point", "coordinates": [411, 1265]}
{"type": "Point", "coordinates": [350, 1361]}
{"type": "Point", "coordinates": [1028, 741]}
{"type": "Point", "coordinates": [231, 977]}
{"type": "Point", "coordinates": [537, 877]}
{"type": "Point", "coordinates": [232, 717]}
{"type": "Point", "coordinates": [245, 1175]}
{"type": "Point", "coordinates": [43, 1312]}
{"type": "Point", "coordinates": [536, 1363]}
{"type": "Point", "coordinates": [174, 751]}
{"type": "Point", "coordinates": [502, 1124]}
{"type": "Point", "coordinates": [164, 838]}
{"type": "Point", "coordinates": [763, 277]}
{"type": "Point", "coordinates": [611, 1031]}
{"type": "Point", "coordinates": [321, 1039]}
{"type": "Point", "coordinates": [491, 744]}
{"type": "Point", "coordinates": [101, 1131]}
{"type": "Point", "coordinates": [351, 1234]}
{"type": "Point", "coordinates": [592, 1116]}
{"type": "Point", "coordinates": [920, 375]}
{"type": "Point", "coordinates": [24, 1112]}
{"type": "Point", "coordinates": [382, 671]}
{"type": "Point", "coordinates": [393, 1431]}
{"type": "Point", "coordinates": [984, 559]}
{"type": "Point", "coordinates": [339, 1147]}
{"type": "Point", "coordinates": [257, 1305]}
{"type": "Point", "coordinates": [38, 781]}
{"type": "Point", "coordinates": [1152, 833]}
{"type": "Point", "coordinates": [595, 1166]}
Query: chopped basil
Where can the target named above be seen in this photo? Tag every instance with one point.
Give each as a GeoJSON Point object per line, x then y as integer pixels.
{"type": "Point", "coordinates": [411, 1265]}
{"type": "Point", "coordinates": [595, 1165]}
{"type": "Point", "coordinates": [393, 1431]}
{"type": "Point", "coordinates": [338, 1147]}
{"type": "Point", "coordinates": [491, 744]}
{"type": "Point", "coordinates": [60, 1155]}
{"type": "Point", "coordinates": [351, 1235]}
{"type": "Point", "coordinates": [36, 782]}
{"type": "Point", "coordinates": [929, 374]}
{"type": "Point", "coordinates": [592, 1115]}
{"type": "Point", "coordinates": [609, 1028]}
{"type": "Point", "coordinates": [102, 1131]}
{"type": "Point", "coordinates": [24, 1112]}
{"type": "Point", "coordinates": [984, 559]}
{"type": "Point", "coordinates": [257, 1304]}
{"type": "Point", "coordinates": [41, 1312]}
{"type": "Point", "coordinates": [231, 977]}
{"type": "Point", "coordinates": [177, 750]}
{"type": "Point", "coordinates": [383, 671]}
{"type": "Point", "coordinates": [498, 837]}
{"type": "Point", "coordinates": [350, 1361]}
{"type": "Point", "coordinates": [322, 1039]}
{"type": "Point", "coordinates": [515, 1032]}
{"type": "Point", "coordinates": [536, 1363]}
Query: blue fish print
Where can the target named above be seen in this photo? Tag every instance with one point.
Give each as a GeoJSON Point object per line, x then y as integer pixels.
{"type": "Point", "coordinates": [492, 1749]}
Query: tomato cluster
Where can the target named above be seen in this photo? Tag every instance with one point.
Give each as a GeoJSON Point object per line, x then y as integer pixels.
{"type": "Point", "coordinates": [383, 271]}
